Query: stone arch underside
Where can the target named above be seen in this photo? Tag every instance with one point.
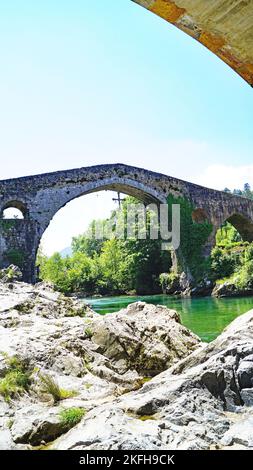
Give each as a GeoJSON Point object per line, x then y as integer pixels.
{"type": "Point", "coordinates": [127, 186]}
{"type": "Point", "coordinates": [15, 204]}
{"type": "Point", "coordinates": [223, 26]}
{"type": "Point", "coordinates": [144, 193]}
{"type": "Point", "coordinates": [243, 224]}
{"type": "Point", "coordinates": [65, 194]}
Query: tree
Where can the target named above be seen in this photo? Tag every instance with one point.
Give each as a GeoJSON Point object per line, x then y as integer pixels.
{"type": "Point", "coordinates": [247, 191]}
{"type": "Point", "coordinates": [87, 243]}
{"type": "Point", "coordinates": [113, 264]}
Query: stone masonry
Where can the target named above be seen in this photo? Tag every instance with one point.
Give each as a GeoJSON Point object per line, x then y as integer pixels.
{"type": "Point", "coordinates": [223, 26]}
{"type": "Point", "coordinates": [40, 197]}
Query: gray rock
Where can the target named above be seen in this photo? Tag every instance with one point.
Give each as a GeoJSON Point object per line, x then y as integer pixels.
{"type": "Point", "coordinates": [182, 408]}
{"type": "Point", "coordinates": [35, 424]}
{"type": "Point", "coordinates": [143, 337]}
{"type": "Point", "coordinates": [229, 289]}
{"type": "Point", "coordinates": [247, 396]}
{"type": "Point", "coordinates": [6, 442]}
{"type": "Point", "coordinates": [195, 400]}
{"type": "Point", "coordinates": [10, 274]}
{"type": "Point", "coordinates": [245, 372]}
{"type": "Point", "coordinates": [111, 428]}
{"type": "Point", "coordinates": [240, 433]}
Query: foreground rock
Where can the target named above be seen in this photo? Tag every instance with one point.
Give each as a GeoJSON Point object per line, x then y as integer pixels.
{"type": "Point", "coordinates": [197, 404]}
{"type": "Point", "coordinates": [71, 359]}
{"type": "Point", "coordinates": [136, 379]}
{"type": "Point", "coordinates": [143, 337]}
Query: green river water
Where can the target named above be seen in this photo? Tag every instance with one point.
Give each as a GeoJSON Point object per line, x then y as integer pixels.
{"type": "Point", "coordinates": [206, 317]}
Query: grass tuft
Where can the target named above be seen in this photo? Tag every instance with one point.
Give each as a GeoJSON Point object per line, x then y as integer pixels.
{"type": "Point", "coordinates": [71, 416]}
{"type": "Point", "coordinates": [16, 380]}
{"type": "Point", "coordinates": [50, 386]}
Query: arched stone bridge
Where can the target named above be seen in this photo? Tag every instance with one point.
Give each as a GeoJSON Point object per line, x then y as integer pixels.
{"type": "Point", "coordinates": [40, 197]}
{"type": "Point", "coordinates": [223, 26]}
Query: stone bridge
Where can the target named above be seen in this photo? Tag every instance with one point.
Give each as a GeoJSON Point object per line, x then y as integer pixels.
{"type": "Point", "coordinates": [223, 26]}
{"type": "Point", "coordinates": [40, 197]}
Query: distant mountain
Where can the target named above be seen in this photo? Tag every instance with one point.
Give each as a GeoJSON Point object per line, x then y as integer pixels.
{"type": "Point", "coordinates": [66, 252]}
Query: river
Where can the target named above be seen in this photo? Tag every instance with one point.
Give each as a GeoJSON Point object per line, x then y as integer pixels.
{"type": "Point", "coordinates": [206, 317]}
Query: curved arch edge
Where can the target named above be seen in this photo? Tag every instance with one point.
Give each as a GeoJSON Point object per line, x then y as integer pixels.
{"type": "Point", "coordinates": [221, 34]}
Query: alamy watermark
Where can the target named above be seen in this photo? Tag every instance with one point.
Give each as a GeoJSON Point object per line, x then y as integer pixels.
{"type": "Point", "coordinates": [141, 222]}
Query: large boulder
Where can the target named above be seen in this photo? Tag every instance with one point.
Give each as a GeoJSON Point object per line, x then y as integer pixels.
{"type": "Point", "coordinates": [182, 394]}
{"type": "Point", "coordinates": [143, 337]}
{"type": "Point", "coordinates": [92, 359]}
{"type": "Point", "coordinates": [196, 404]}
{"type": "Point", "coordinates": [34, 424]}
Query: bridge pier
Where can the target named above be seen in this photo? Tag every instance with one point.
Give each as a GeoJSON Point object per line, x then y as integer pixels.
{"type": "Point", "coordinates": [211, 242]}
{"type": "Point", "coordinates": [19, 240]}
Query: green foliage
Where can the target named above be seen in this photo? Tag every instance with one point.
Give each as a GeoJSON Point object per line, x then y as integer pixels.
{"type": "Point", "coordinates": [71, 416]}
{"type": "Point", "coordinates": [87, 243]}
{"type": "Point", "coordinates": [233, 262]}
{"type": "Point", "coordinates": [88, 332]}
{"type": "Point", "coordinates": [69, 274]}
{"type": "Point", "coordinates": [50, 386]}
{"type": "Point", "coordinates": [112, 266]}
{"type": "Point", "coordinates": [15, 257]}
{"type": "Point", "coordinates": [14, 383]}
{"type": "Point", "coordinates": [244, 274]}
{"type": "Point", "coordinates": [16, 380]}
{"type": "Point", "coordinates": [7, 225]}
{"type": "Point", "coordinates": [232, 259]}
{"type": "Point", "coordinates": [245, 192]}
{"type": "Point", "coordinates": [168, 281]}
{"type": "Point", "coordinates": [227, 235]}
{"type": "Point", "coordinates": [224, 262]}
{"type": "Point", "coordinates": [193, 238]}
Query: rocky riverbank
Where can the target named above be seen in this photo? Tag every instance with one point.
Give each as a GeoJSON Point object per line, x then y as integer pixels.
{"type": "Point", "coordinates": [137, 379]}
{"type": "Point", "coordinates": [181, 286]}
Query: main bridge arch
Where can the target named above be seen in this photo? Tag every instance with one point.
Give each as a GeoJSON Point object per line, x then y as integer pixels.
{"type": "Point", "coordinates": [42, 196]}
{"type": "Point", "coordinates": [144, 193]}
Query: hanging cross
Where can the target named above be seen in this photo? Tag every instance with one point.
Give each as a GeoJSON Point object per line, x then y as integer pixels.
{"type": "Point", "coordinates": [118, 200]}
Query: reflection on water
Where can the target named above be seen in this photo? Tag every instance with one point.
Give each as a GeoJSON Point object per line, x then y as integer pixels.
{"type": "Point", "coordinates": [206, 317]}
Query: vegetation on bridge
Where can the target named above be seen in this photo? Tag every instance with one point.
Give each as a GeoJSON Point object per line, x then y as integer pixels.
{"type": "Point", "coordinates": [193, 239]}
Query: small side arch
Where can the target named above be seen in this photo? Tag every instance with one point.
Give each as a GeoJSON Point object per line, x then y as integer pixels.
{"type": "Point", "coordinates": [18, 205]}
{"type": "Point", "coordinates": [243, 224]}
{"type": "Point", "coordinates": [199, 216]}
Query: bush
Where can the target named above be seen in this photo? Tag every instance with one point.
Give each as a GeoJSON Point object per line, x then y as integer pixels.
{"type": "Point", "coordinates": [224, 262]}
{"type": "Point", "coordinates": [169, 281]}
{"type": "Point", "coordinates": [244, 278]}
{"type": "Point", "coordinates": [228, 235]}
{"type": "Point", "coordinates": [71, 416]}
{"type": "Point", "coordinates": [17, 379]}
{"type": "Point", "coordinates": [13, 384]}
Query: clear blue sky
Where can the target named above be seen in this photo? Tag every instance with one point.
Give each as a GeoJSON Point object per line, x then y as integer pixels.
{"type": "Point", "coordinates": [89, 82]}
